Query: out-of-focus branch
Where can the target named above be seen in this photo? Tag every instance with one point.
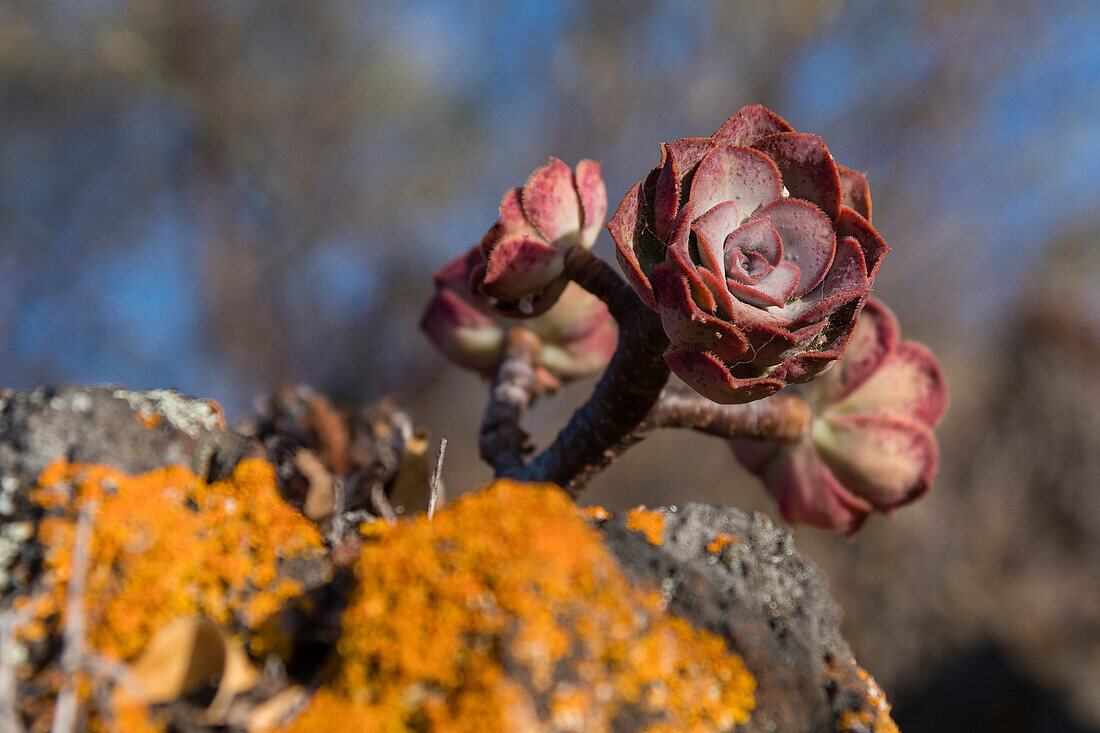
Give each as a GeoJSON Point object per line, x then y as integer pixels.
{"type": "Point", "coordinates": [73, 632]}
{"type": "Point", "coordinates": [503, 442]}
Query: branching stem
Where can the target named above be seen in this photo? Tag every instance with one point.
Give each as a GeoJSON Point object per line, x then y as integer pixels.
{"type": "Point", "coordinates": [629, 402]}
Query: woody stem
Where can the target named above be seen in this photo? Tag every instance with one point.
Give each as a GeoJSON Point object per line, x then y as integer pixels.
{"type": "Point", "coordinates": [624, 395]}
{"type": "Point", "coordinates": [503, 442]}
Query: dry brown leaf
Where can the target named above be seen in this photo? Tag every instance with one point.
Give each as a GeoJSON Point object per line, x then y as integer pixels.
{"type": "Point", "coordinates": [186, 655]}
{"type": "Point", "coordinates": [321, 495]}
{"type": "Point", "coordinates": [180, 658]}
{"type": "Point", "coordinates": [411, 488]}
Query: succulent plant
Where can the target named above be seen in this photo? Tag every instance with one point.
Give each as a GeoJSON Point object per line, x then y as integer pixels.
{"type": "Point", "coordinates": [522, 253]}
{"type": "Point", "coordinates": [871, 445]}
{"type": "Point", "coordinates": [757, 250]}
{"type": "Point", "coordinates": [578, 335]}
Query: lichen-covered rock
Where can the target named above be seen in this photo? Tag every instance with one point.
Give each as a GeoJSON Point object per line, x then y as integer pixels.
{"type": "Point", "coordinates": [131, 431]}
{"type": "Point", "coordinates": [741, 577]}
{"type": "Point", "coordinates": [507, 612]}
{"type": "Point", "coordinates": [510, 610]}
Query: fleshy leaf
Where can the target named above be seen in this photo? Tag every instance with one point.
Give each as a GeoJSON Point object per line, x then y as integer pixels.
{"type": "Point", "coordinates": [520, 267]}
{"type": "Point", "coordinates": [623, 227]}
{"type": "Point", "coordinates": [593, 198]}
{"type": "Point", "coordinates": [750, 124]}
{"type": "Point", "coordinates": [711, 230]}
{"type": "Point", "coordinates": [807, 168]}
{"type": "Point", "coordinates": [466, 336]}
{"type": "Point", "coordinates": [806, 490]}
{"type": "Point", "coordinates": [808, 239]}
{"type": "Point", "coordinates": [551, 204]}
{"type": "Point", "coordinates": [756, 236]}
{"type": "Point", "coordinates": [666, 201]}
{"type": "Point", "coordinates": [887, 459]}
{"type": "Point", "coordinates": [512, 219]}
{"type": "Point", "coordinates": [744, 176]}
{"type": "Point", "coordinates": [908, 381]}
{"type": "Point", "coordinates": [686, 324]}
{"type": "Point", "coordinates": [706, 374]}
{"type": "Point", "coordinates": [854, 191]}
{"type": "Point", "coordinates": [851, 224]}
{"type": "Point", "coordinates": [875, 337]}
{"type": "Point", "coordinates": [774, 288]}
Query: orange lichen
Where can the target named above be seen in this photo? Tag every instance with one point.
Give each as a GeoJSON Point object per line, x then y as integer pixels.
{"type": "Point", "coordinates": [648, 522]}
{"type": "Point", "coordinates": [507, 597]}
{"type": "Point", "coordinates": [595, 513]}
{"type": "Point", "coordinates": [148, 420]}
{"type": "Point", "coordinates": [874, 716]}
{"type": "Point", "coordinates": [166, 544]}
{"type": "Point", "coordinates": [721, 541]}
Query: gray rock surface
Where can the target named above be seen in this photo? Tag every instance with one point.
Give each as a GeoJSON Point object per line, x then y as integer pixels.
{"type": "Point", "coordinates": [132, 431]}
{"type": "Point", "coordinates": [769, 602]}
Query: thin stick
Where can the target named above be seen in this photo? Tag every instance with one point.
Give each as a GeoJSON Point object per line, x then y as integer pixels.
{"type": "Point", "coordinates": [339, 503]}
{"type": "Point", "coordinates": [503, 442]}
{"type": "Point", "coordinates": [72, 636]}
{"type": "Point", "coordinates": [9, 713]}
{"type": "Point", "coordinates": [436, 484]}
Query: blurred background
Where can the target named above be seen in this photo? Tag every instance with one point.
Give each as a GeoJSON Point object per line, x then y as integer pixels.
{"type": "Point", "coordinates": [221, 196]}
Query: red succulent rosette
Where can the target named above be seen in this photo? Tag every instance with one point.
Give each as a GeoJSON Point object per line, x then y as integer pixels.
{"type": "Point", "coordinates": [522, 254]}
{"type": "Point", "coordinates": [756, 248]}
{"type": "Point", "coordinates": [578, 335]}
{"type": "Point", "coordinates": [871, 445]}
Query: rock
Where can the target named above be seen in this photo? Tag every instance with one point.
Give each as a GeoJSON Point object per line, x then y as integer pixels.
{"type": "Point", "coordinates": [131, 431]}
{"type": "Point", "coordinates": [740, 576]}
{"type": "Point", "coordinates": [729, 573]}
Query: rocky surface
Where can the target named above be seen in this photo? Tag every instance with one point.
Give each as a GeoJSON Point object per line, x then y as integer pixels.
{"type": "Point", "coordinates": [732, 574]}
{"type": "Point", "coordinates": [741, 577]}
{"type": "Point", "coordinates": [131, 431]}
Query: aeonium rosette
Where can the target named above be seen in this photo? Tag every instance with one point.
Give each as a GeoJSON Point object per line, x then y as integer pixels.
{"type": "Point", "coordinates": [523, 252]}
{"type": "Point", "coordinates": [756, 248]}
{"type": "Point", "coordinates": [870, 446]}
{"type": "Point", "coordinates": [578, 334]}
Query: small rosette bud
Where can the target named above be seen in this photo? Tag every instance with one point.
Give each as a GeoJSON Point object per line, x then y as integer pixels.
{"type": "Point", "coordinates": [871, 445]}
{"type": "Point", "coordinates": [523, 251]}
{"type": "Point", "coordinates": [578, 334]}
{"type": "Point", "coordinates": [756, 248]}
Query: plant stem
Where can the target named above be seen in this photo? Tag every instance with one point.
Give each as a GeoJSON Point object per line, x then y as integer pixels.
{"type": "Point", "coordinates": [780, 417]}
{"type": "Point", "coordinates": [599, 278]}
{"type": "Point", "coordinates": [623, 396]}
{"type": "Point", "coordinates": [629, 402]}
{"type": "Point", "coordinates": [503, 442]}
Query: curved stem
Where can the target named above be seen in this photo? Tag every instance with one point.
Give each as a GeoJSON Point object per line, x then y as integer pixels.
{"type": "Point", "coordinates": [621, 400]}
{"type": "Point", "coordinates": [503, 442]}
{"type": "Point", "coordinates": [600, 279]}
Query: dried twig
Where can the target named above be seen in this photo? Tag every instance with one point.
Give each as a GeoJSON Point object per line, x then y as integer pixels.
{"type": "Point", "coordinates": [339, 505]}
{"type": "Point", "coordinates": [436, 485]}
{"type": "Point", "coordinates": [72, 635]}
